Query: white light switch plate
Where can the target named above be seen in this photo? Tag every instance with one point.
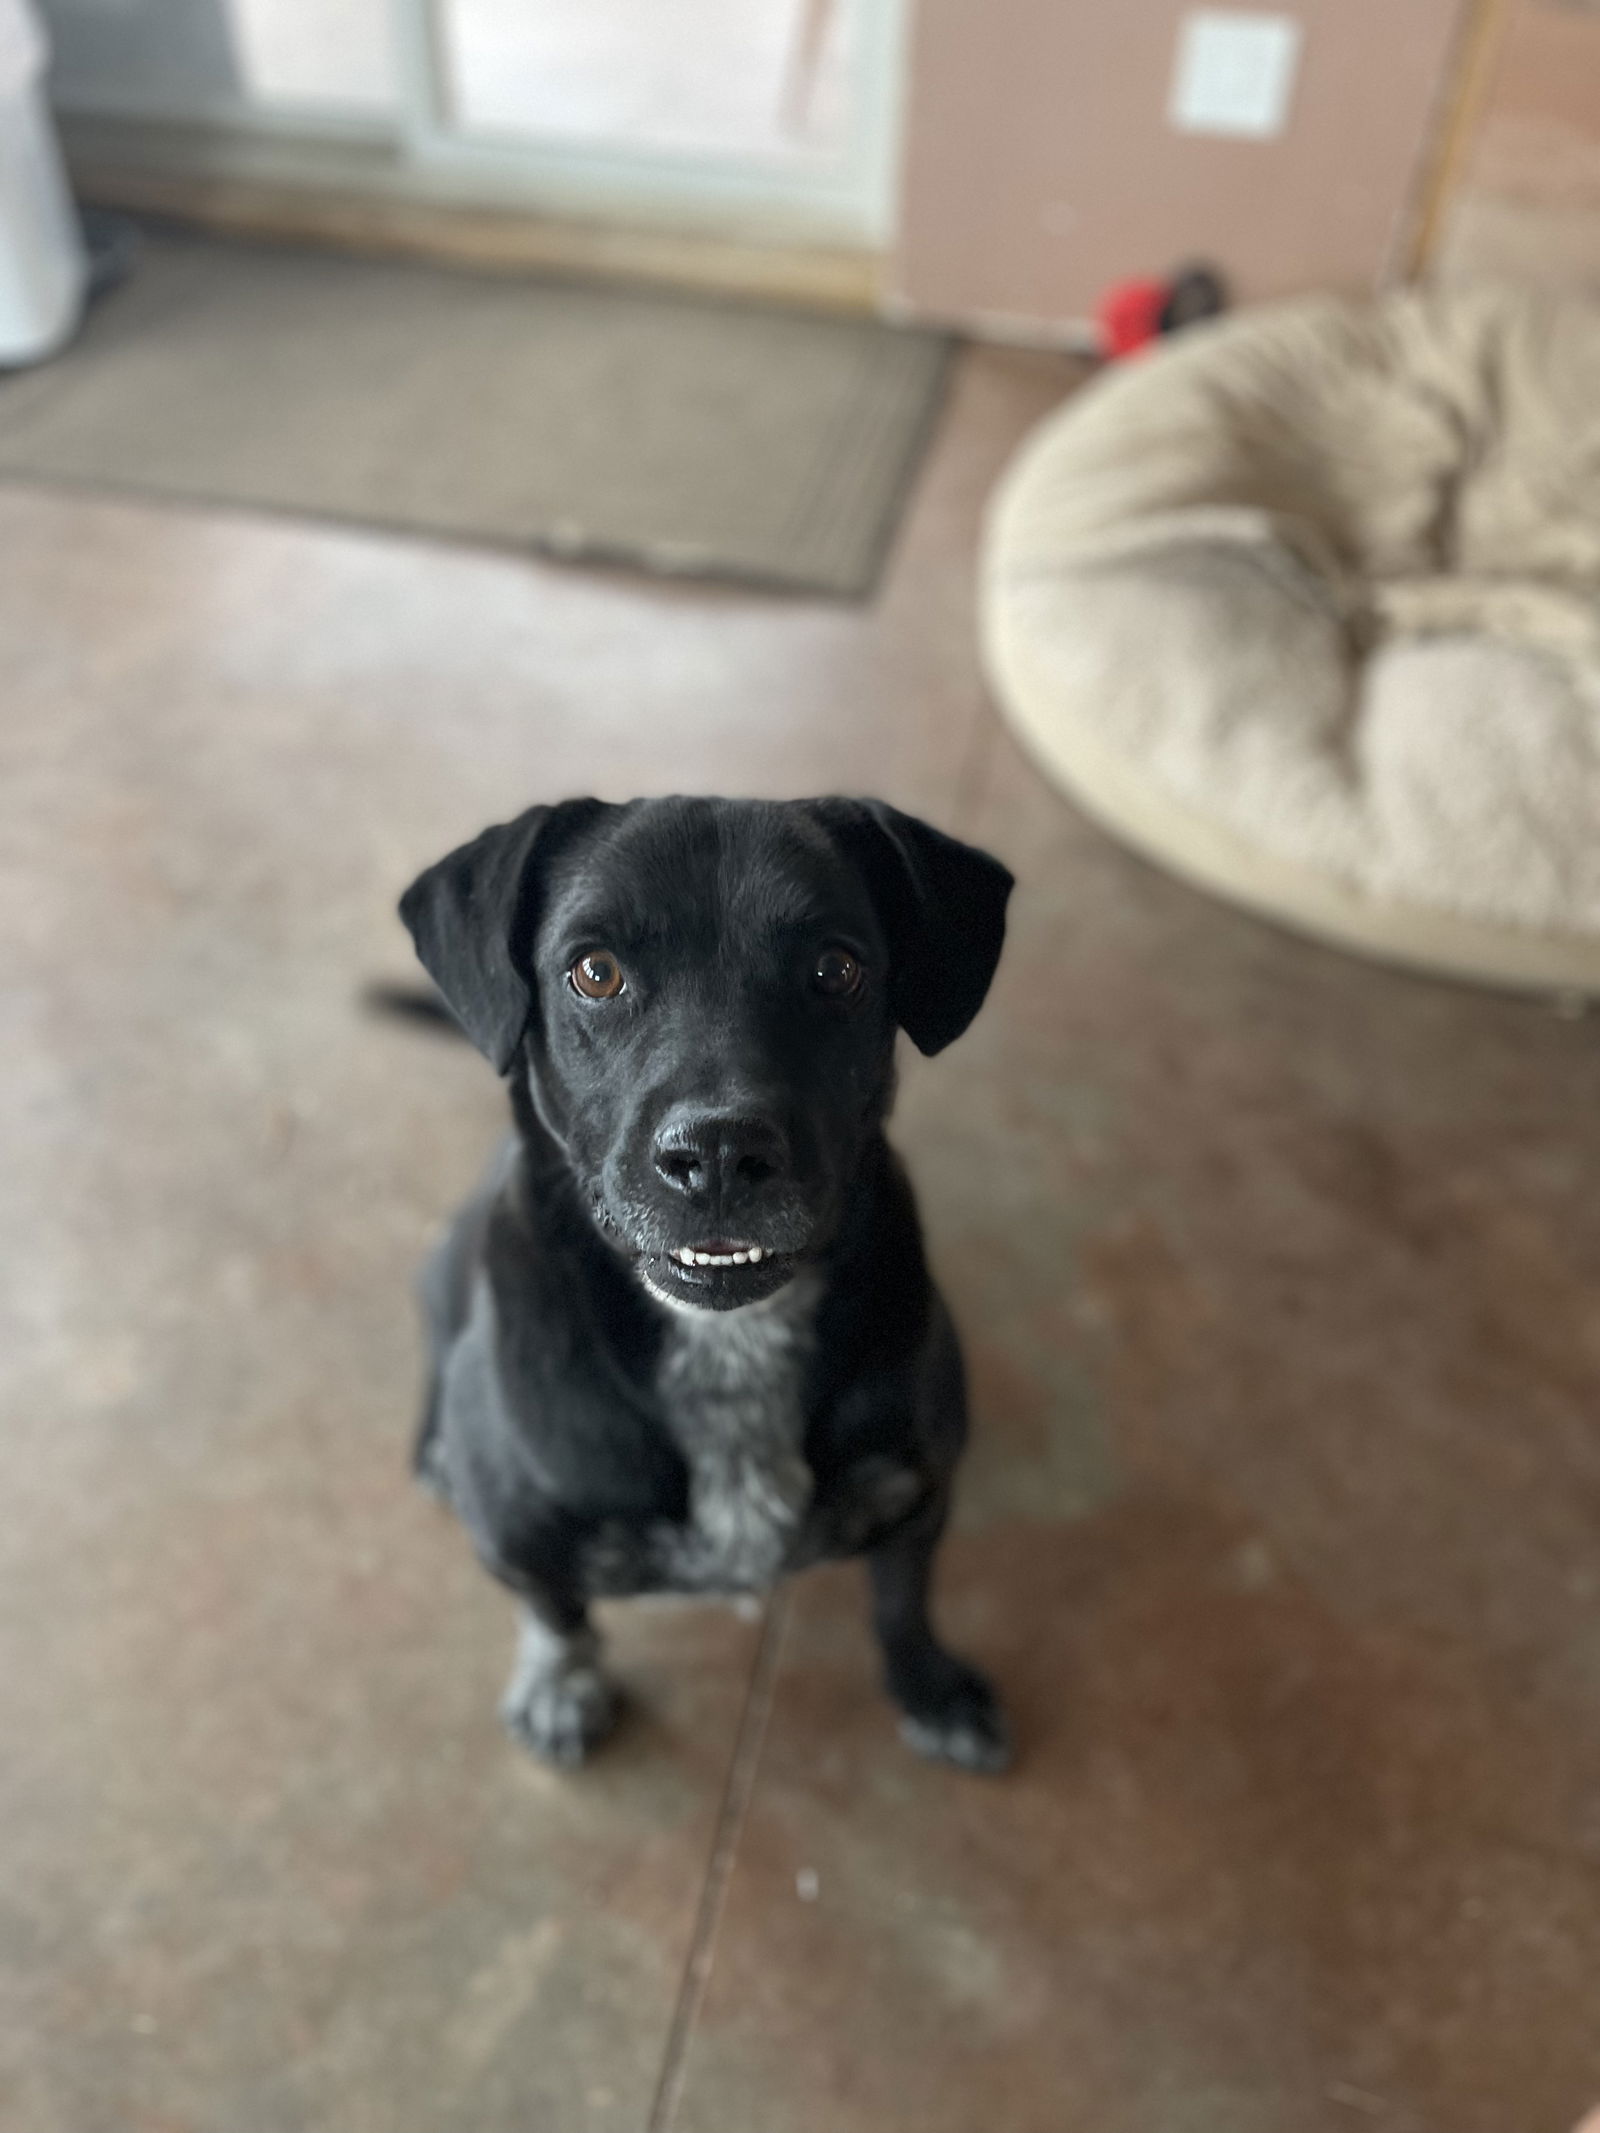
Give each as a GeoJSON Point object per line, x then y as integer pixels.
{"type": "Point", "coordinates": [1235, 73]}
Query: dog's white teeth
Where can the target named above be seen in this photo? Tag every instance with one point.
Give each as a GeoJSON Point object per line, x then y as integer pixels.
{"type": "Point", "coordinates": [754, 1254]}
{"type": "Point", "coordinates": [741, 1258]}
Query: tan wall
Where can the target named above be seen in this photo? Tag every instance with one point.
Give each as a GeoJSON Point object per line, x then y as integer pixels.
{"type": "Point", "coordinates": [1040, 165]}
{"type": "Point", "coordinates": [1549, 66]}
{"type": "Point", "coordinates": [1528, 203]}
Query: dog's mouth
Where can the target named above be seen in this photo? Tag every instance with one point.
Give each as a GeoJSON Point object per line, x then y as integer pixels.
{"type": "Point", "coordinates": [717, 1273]}
{"type": "Point", "coordinates": [718, 1251]}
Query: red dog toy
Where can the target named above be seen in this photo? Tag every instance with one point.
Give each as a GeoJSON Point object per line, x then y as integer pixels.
{"type": "Point", "coordinates": [1131, 314]}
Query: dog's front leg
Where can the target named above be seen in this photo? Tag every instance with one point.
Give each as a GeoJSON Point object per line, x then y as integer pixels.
{"type": "Point", "coordinates": [558, 1702]}
{"type": "Point", "coordinates": [951, 1712]}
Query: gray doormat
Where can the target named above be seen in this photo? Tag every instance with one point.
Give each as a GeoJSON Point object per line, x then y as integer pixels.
{"type": "Point", "coordinates": [682, 435]}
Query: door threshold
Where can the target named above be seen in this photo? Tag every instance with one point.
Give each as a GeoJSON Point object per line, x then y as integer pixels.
{"type": "Point", "coordinates": [362, 195]}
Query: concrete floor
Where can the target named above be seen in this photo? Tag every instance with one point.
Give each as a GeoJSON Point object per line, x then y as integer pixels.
{"type": "Point", "coordinates": [1281, 1282]}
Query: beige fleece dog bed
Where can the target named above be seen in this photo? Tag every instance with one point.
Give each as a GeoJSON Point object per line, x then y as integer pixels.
{"type": "Point", "coordinates": [1306, 605]}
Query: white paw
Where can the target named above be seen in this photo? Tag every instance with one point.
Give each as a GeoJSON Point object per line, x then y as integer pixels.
{"type": "Point", "coordinates": [560, 1716]}
{"type": "Point", "coordinates": [982, 1747]}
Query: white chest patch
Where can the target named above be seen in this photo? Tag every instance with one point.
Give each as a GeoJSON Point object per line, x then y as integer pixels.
{"type": "Point", "coordinates": [732, 1384]}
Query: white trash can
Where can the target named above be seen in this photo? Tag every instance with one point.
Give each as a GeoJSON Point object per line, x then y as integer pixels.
{"type": "Point", "coordinates": [44, 269]}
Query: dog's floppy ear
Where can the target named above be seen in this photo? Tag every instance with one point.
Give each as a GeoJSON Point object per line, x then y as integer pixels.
{"type": "Point", "coordinates": [942, 905]}
{"type": "Point", "coordinates": [470, 916]}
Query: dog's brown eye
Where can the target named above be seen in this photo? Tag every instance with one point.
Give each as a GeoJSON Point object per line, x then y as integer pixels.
{"type": "Point", "coordinates": [597, 976]}
{"type": "Point", "coordinates": [837, 975]}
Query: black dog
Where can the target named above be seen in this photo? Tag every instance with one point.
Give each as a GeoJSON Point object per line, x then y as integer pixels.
{"type": "Point", "coordinates": [683, 1338]}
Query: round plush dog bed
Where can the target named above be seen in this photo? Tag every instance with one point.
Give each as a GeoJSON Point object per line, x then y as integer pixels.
{"type": "Point", "coordinates": [1306, 605]}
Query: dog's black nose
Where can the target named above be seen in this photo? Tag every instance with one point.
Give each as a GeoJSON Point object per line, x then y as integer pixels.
{"type": "Point", "coordinates": [716, 1158]}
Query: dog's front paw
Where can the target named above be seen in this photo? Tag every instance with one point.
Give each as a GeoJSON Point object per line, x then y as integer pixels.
{"type": "Point", "coordinates": [560, 1716]}
{"type": "Point", "coordinates": [959, 1721]}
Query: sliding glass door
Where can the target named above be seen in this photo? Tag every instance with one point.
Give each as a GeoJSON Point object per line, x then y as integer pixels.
{"type": "Point", "coordinates": [772, 117]}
